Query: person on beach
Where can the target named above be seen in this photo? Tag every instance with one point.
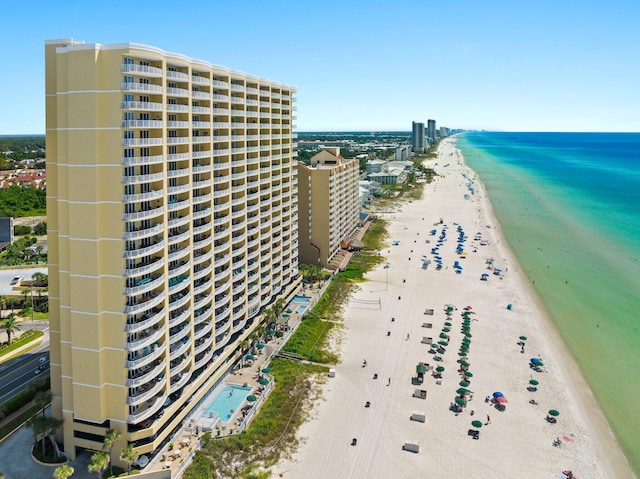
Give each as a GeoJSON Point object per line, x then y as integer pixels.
{"type": "Point", "coordinates": [488, 420]}
{"type": "Point", "coordinates": [389, 382]}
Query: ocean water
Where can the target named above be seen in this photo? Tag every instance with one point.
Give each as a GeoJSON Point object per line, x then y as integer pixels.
{"type": "Point", "coordinates": [569, 206]}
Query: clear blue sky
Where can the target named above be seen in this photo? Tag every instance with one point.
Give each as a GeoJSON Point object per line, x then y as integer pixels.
{"type": "Point", "coordinates": [368, 65]}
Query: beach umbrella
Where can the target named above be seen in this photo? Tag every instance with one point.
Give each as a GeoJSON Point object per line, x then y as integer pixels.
{"type": "Point", "coordinates": [468, 335]}
{"type": "Point", "coordinates": [260, 346]}
{"type": "Point", "coordinates": [449, 307]}
{"type": "Point", "coordinates": [464, 363]}
{"type": "Point", "coordinates": [289, 311]}
{"type": "Point", "coordinates": [536, 361]}
{"type": "Point", "coordinates": [533, 382]}
{"type": "Point", "coordinates": [271, 331]}
{"type": "Point", "coordinates": [266, 370]}
{"type": "Point", "coordinates": [249, 357]}
{"type": "Point", "coordinates": [502, 399]}
{"type": "Point", "coordinates": [461, 391]}
{"type": "Point", "coordinates": [523, 338]}
{"type": "Point", "coordinates": [498, 394]}
{"type": "Point", "coordinates": [447, 323]}
{"type": "Point", "coordinates": [443, 343]}
{"type": "Point", "coordinates": [476, 423]}
{"type": "Point", "coordinates": [263, 381]}
{"type": "Point", "coordinates": [440, 369]}
{"type": "Point", "coordinates": [443, 336]}
{"type": "Point", "coordinates": [445, 330]}
{"type": "Point", "coordinates": [464, 347]}
{"type": "Point", "coordinates": [468, 374]}
{"type": "Point", "coordinates": [464, 384]}
{"type": "Point", "coordinates": [441, 350]}
{"type": "Point", "coordinates": [462, 354]}
{"type": "Point", "coordinates": [460, 401]}
{"type": "Point", "coordinates": [553, 412]}
{"type": "Point", "coordinates": [251, 398]}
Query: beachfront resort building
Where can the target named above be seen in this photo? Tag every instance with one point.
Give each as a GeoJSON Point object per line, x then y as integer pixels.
{"type": "Point", "coordinates": [431, 131]}
{"type": "Point", "coordinates": [418, 140]}
{"type": "Point", "coordinates": [329, 205]}
{"type": "Point", "coordinates": [172, 214]}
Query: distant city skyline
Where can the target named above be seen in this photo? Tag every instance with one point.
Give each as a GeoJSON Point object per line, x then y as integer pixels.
{"type": "Point", "coordinates": [367, 66]}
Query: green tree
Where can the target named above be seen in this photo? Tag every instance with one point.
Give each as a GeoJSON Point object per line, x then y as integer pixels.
{"type": "Point", "coordinates": [21, 230]}
{"type": "Point", "coordinates": [10, 325]}
{"type": "Point", "coordinates": [40, 229]}
{"type": "Point", "coordinates": [63, 472]}
{"type": "Point", "coordinates": [42, 400]}
{"type": "Point", "coordinates": [110, 438]}
{"type": "Point", "coordinates": [128, 455]}
{"type": "Point", "coordinates": [39, 425]}
{"type": "Point", "coordinates": [99, 462]}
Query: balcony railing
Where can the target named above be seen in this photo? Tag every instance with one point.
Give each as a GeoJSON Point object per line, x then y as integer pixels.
{"type": "Point", "coordinates": [148, 393]}
{"type": "Point", "coordinates": [146, 322]}
{"type": "Point", "coordinates": [146, 87]}
{"type": "Point", "coordinates": [150, 374]}
{"type": "Point", "coordinates": [146, 341]}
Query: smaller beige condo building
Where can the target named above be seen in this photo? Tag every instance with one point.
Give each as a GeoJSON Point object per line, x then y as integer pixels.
{"type": "Point", "coordinates": [172, 212]}
{"type": "Point", "coordinates": [329, 205]}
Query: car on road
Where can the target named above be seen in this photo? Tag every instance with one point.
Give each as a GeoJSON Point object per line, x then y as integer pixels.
{"type": "Point", "coordinates": [15, 280]}
{"type": "Point", "coordinates": [39, 369]}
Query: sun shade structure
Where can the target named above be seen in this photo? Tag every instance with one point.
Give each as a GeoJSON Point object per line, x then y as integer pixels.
{"type": "Point", "coordinates": [553, 412]}
{"type": "Point", "coordinates": [251, 398]}
{"type": "Point", "coordinates": [476, 423]}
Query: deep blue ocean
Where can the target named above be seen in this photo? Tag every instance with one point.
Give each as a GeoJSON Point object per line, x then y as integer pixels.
{"type": "Point", "coordinates": [569, 206]}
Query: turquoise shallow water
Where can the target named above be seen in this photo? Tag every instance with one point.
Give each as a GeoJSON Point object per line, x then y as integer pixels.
{"type": "Point", "coordinates": [569, 206]}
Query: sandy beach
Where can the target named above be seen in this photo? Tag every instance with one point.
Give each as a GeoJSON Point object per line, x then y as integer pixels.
{"type": "Point", "coordinates": [385, 324]}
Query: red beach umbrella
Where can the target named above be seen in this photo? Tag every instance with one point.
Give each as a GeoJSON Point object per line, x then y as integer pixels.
{"type": "Point", "coordinates": [502, 399]}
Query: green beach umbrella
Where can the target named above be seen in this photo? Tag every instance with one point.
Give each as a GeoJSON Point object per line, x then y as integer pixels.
{"type": "Point", "coordinates": [263, 381]}
{"type": "Point", "coordinates": [249, 356]}
{"type": "Point", "coordinates": [464, 347]}
{"type": "Point", "coordinates": [449, 307]}
{"type": "Point", "coordinates": [460, 401]}
{"type": "Point", "coordinates": [464, 384]}
{"type": "Point", "coordinates": [443, 343]}
{"type": "Point", "coordinates": [533, 382]}
{"type": "Point", "coordinates": [464, 363]}
{"type": "Point", "coordinates": [447, 323]}
{"type": "Point", "coordinates": [468, 335]}
{"type": "Point", "coordinates": [266, 370]}
{"type": "Point", "coordinates": [523, 338]}
{"type": "Point", "coordinates": [461, 391]}
{"type": "Point", "coordinates": [462, 354]}
{"type": "Point", "coordinates": [271, 331]}
{"type": "Point", "coordinates": [466, 341]}
{"type": "Point", "coordinates": [553, 412]}
{"type": "Point", "coordinates": [260, 346]}
{"type": "Point", "coordinates": [476, 423]}
{"type": "Point", "coordinates": [289, 311]}
{"type": "Point", "coordinates": [251, 398]}
{"type": "Point", "coordinates": [443, 336]}
{"type": "Point", "coordinates": [445, 330]}
{"type": "Point", "coordinates": [440, 369]}
{"type": "Point", "coordinates": [468, 374]}
{"type": "Point", "coordinates": [441, 350]}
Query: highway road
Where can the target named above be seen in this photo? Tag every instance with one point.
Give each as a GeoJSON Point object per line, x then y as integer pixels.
{"type": "Point", "coordinates": [16, 374]}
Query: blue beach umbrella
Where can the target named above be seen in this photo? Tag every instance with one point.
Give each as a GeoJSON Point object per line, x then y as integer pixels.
{"type": "Point", "coordinates": [498, 394]}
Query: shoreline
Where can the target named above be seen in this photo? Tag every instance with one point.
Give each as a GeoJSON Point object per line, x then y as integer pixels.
{"type": "Point", "coordinates": [518, 439]}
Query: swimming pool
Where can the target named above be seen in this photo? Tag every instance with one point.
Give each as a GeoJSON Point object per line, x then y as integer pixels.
{"type": "Point", "coordinates": [300, 298]}
{"type": "Point", "coordinates": [229, 399]}
{"type": "Point", "coordinates": [301, 309]}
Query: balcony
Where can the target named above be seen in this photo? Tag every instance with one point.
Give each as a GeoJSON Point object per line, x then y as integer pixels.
{"type": "Point", "coordinates": [201, 94]}
{"type": "Point", "coordinates": [143, 87]}
{"type": "Point", "coordinates": [199, 333]}
{"type": "Point", "coordinates": [144, 285]}
{"type": "Point", "coordinates": [203, 316]}
{"type": "Point", "coordinates": [202, 109]}
{"type": "Point", "coordinates": [142, 232]}
{"type": "Point", "coordinates": [201, 139]}
{"type": "Point", "coordinates": [145, 322]}
{"type": "Point", "coordinates": [178, 238]}
{"type": "Point", "coordinates": [178, 205]}
{"type": "Point", "coordinates": [177, 140]}
{"type": "Point", "coordinates": [202, 272]}
{"type": "Point", "coordinates": [177, 107]}
{"type": "Point", "coordinates": [148, 412]}
{"type": "Point", "coordinates": [154, 353]}
{"type": "Point", "coordinates": [179, 318]}
{"type": "Point", "coordinates": [141, 141]}
{"type": "Point", "coordinates": [181, 382]}
{"type": "Point", "coordinates": [144, 268]}
{"type": "Point", "coordinates": [203, 301]}
{"type": "Point", "coordinates": [143, 251]}
{"type": "Point", "coordinates": [179, 349]}
{"type": "Point", "coordinates": [147, 374]}
{"type": "Point", "coordinates": [203, 360]}
{"type": "Point", "coordinates": [141, 70]}
{"type": "Point", "coordinates": [141, 105]}
{"type": "Point", "coordinates": [179, 334]}
{"type": "Point", "coordinates": [147, 340]}
{"type": "Point", "coordinates": [200, 80]}
{"type": "Point", "coordinates": [200, 289]}
{"type": "Point", "coordinates": [176, 75]}
{"type": "Point", "coordinates": [145, 304]}
{"type": "Point", "coordinates": [147, 393]}
{"type": "Point", "coordinates": [141, 123]}
{"type": "Point", "coordinates": [180, 92]}
{"type": "Point", "coordinates": [179, 302]}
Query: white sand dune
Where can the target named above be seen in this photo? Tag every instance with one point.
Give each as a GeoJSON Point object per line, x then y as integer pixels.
{"type": "Point", "coordinates": [519, 441]}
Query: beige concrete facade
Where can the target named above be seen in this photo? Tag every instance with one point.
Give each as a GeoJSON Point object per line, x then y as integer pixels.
{"type": "Point", "coordinates": [172, 215]}
{"type": "Point", "coordinates": [329, 205]}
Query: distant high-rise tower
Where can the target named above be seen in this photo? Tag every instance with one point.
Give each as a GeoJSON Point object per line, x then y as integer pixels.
{"type": "Point", "coordinates": [431, 130]}
{"type": "Point", "coordinates": [172, 213]}
{"type": "Point", "coordinates": [418, 143]}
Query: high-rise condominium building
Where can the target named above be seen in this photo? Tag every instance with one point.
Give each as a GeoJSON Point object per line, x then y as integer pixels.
{"type": "Point", "coordinates": [329, 205]}
{"type": "Point", "coordinates": [418, 142]}
{"type": "Point", "coordinates": [431, 130]}
{"type": "Point", "coordinates": [172, 218]}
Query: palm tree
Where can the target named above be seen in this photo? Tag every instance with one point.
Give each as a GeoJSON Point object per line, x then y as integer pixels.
{"type": "Point", "coordinates": [10, 325]}
{"type": "Point", "coordinates": [39, 425]}
{"type": "Point", "coordinates": [42, 400]}
{"type": "Point", "coordinates": [99, 462]}
{"type": "Point", "coordinates": [63, 472]}
{"type": "Point", "coordinates": [11, 302]}
{"type": "Point", "coordinates": [110, 438]}
{"type": "Point", "coordinates": [3, 303]}
{"type": "Point", "coordinates": [278, 308]}
{"type": "Point", "coordinates": [129, 456]}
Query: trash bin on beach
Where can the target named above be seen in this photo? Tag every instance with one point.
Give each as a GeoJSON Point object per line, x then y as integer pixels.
{"type": "Point", "coordinates": [509, 306]}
